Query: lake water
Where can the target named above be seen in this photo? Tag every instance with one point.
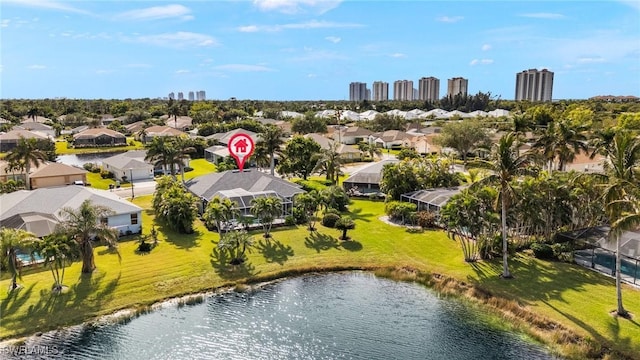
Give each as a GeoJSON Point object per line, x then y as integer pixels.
{"type": "Point", "coordinates": [81, 159]}
{"type": "Point", "coordinates": [334, 316]}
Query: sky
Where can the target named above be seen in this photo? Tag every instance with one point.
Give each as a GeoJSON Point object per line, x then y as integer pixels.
{"type": "Point", "coordinates": [312, 49]}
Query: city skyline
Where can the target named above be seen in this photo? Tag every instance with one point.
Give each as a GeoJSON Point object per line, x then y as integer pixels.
{"type": "Point", "coordinates": [311, 50]}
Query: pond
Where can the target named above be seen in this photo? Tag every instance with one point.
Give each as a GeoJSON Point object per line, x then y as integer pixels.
{"type": "Point", "coordinates": [81, 159]}
{"type": "Point", "coordinates": [350, 315]}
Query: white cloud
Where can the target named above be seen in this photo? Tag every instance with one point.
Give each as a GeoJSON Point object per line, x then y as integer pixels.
{"type": "Point", "coordinates": [449, 19]}
{"type": "Point", "coordinates": [486, 47]}
{"type": "Point", "coordinates": [36, 67]}
{"type": "Point", "coordinates": [5, 23]}
{"type": "Point", "coordinates": [183, 71]}
{"type": "Point", "coordinates": [180, 39]}
{"type": "Point", "coordinates": [549, 16]}
{"type": "Point", "coordinates": [243, 68]}
{"type": "Point", "coordinates": [398, 55]}
{"type": "Point", "coordinates": [45, 4]}
{"type": "Point", "coordinates": [333, 39]}
{"type": "Point", "coordinates": [312, 75]}
{"type": "Point", "coordinates": [481, 62]}
{"type": "Point", "coordinates": [313, 24]}
{"type": "Point", "coordinates": [591, 60]}
{"type": "Point", "coordinates": [297, 6]}
{"type": "Point", "coordinates": [157, 13]}
{"type": "Point", "coordinates": [103, 71]}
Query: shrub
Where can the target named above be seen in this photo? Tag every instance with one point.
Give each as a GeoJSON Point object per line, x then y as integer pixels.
{"type": "Point", "coordinates": [106, 174]}
{"type": "Point", "coordinates": [542, 251]}
{"type": "Point", "coordinates": [331, 211]}
{"type": "Point", "coordinates": [563, 251]}
{"type": "Point", "coordinates": [289, 220]}
{"type": "Point", "coordinates": [299, 215]}
{"type": "Point", "coordinates": [330, 220]}
{"type": "Point", "coordinates": [426, 219]}
{"type": "Point", "coordinates": [144, 247]}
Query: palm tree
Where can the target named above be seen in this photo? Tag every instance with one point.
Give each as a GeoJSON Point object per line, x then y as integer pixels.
{"type": "Point", "coordinates": [621, 194]}
{"type": "Point", "coordinates": [184, 148]}
{"type": "Point", "coordinates": [169, 153]}
{"type": "Point", "coordinates": [58, 251]}
{"type": "Point", "coordinates": [87, 222]}
{"type": "Point", "coordinates": [174, 111]}
{"type": "Point", "coordinates": [562, 141]}
{"type": "Point", "coordinates": [10, 241]}
{"type": "Point", "coordinates": [310, 202]}
{"type": "Point", "coordinates": [218, 213]}
{"type": "Point", "coordinates": [236, 243]}
{"type": "Point", "coordinates": [330, 163]}
{"type": "Point", "coordinates": [267, 209]}
{"type": "Point", "coordinates": [155, 152]}
{"type": "Point", "coordinates": [345, 223]}
{"type": "Point", "coordinates": [370, 149]}
{"type": "Point", "coordinates": [24, 155]}
{"type": "Point", "coordinates": [505, 163]}
{"type": "Point", "coordinates": [271, 136]}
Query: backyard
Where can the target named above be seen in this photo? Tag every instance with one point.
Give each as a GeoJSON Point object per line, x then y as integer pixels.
{"type": "Point", "coordinates": [575, 297]}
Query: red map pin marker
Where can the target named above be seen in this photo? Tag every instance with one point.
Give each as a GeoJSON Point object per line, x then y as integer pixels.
{"type": "Point", "coordinates": [240, 147]}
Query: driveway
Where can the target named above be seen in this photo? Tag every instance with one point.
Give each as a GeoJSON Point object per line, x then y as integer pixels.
{"type": "Point", "coordinates": [145, 187]}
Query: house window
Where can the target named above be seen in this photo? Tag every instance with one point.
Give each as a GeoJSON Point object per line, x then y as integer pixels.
{"type": "Point", "coordinates": [104, 221]}
{"type": "Point", "coordinates": [134, 219]}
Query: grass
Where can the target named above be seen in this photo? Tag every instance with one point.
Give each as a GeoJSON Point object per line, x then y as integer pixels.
{"type": "Point", "coordinates": [200, 167]}
{"type": "Point", "coordinates": [62, 148]}
{"type": "Point", "coordinates": [575, 297]}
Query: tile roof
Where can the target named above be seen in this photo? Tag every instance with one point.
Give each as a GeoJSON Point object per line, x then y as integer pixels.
{"type": "Point", "coordinates": [371, 174]}
{"type": "Point", "coordinates": [128, 160]}
{"type": "Point", "coordinates": [92, 133]}
{"type": "Point", "coordinates": [209, 185]}
{"type": "Point", "coordinates": [56, 169]}
{"type": "Point", "coordinates": [17, 134]}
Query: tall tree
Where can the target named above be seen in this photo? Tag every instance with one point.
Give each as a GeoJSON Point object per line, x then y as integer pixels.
{"type": "Point", "coordinates": [505, 164]}
{"type": "Point", "coordinates": [271, 137]}
{"type": "Point", "coordinates": [236, 243]}
{"type": "Point", "coordinates": [310, 203]}
{"type": "Point", "coordinates": [87, 222]}
{"type": "Point", "coordinates": [330, 163]}
{"type": "Point", "coordinates": [219, 212]}
{"type": "Point", "coordinates": [622, 194]}
{"type": "Point", "coordinates": [10, 241]}
{"type": "Point", "coordinates": [26, 154]}
{"type": "Point", "coordinates": [464, 137]}
{"type": "Point", "coordinates": [178, 209]}
{"type": "Point", "coordinates": [58, 251]}
{"type": "Point", "coordinates": [300, 157]}
{"type": "Point", "coordinates": [267, 209]}
{"type": "Point", "coordinates": [561, 141]}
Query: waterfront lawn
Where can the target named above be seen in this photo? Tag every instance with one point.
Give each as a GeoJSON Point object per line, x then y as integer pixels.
{"type": "Point", "coordinates": [62, 148]}
{"type": "Point", "coordinates": [576, 297]}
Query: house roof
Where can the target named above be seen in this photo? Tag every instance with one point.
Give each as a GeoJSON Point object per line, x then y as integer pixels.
{"type": "Point", "coordinates": [218, 150]}
{"type": "Point", "coordinates": [4, 166]}
{"type": "Point", "coordinates": [326, 143]}
{"type": "Point", "coordinates": [128, 160]}
{"type": "Point", "coordinates": [40, 207]}
{"type": "Point", "coordinates": [56, 169]}
{"type": "Point", "coordinates": [356, 131]}
{"type": "Point", "coordinates": [93, 133]}
{"type": "Point", "coordinates": [210, 185]}
{"type": "Point", "coordinates": [225, 137]}
{"type": "Point", "coordinates": [17, 134]}
{"type": "Point", "coordinates": [31, 125]}
{"type": "Point", "coordinates": [180, 123]}
{"type": "Point", "coordinates": [40, 119]}
{"type": "Point", "coordinates": [391, 135]}
{"type": "Point", "coordinates": [162, 130]}
{"type": "Point", "coordinates": [371, 174]}
{"type": "Point", "coordinates": [434, 197]}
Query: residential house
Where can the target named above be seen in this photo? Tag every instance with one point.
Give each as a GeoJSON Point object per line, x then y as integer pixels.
{"type": "Point", "coordinates": [99, 137]}
{"type": "Point", "coordinates": [367, 179]}
{"type": "Point", "coordinates": [160, 131]}
{"type": "Point", "coordinates": [38, 119]}
{"type": "Point", "coordinates": [183, 123]}
{"type": "Point", "coordinates": [423, 144]}
{"type": "Point", "coordinates": [352, 135]}
{"type": "Point", "coordinates": [223, 138]}
{"type": "Point", "coordinates": [242, 188]}
{"type": "Point", "coordinates": [56, 174]}
{"type": "Point", "coordinates": [39, 211]}
{"type": "Point", "coordinates": [9, 140]}
{"type": "Point", "coordinates": [37, 127]}
{"type": "Point", "coordinates": [7, 174]}
{"type": "Point", "coordinates": [130, 163]}
{"type": "Point", "coordinates": [347, 152]}
{"type": "Point", "coordinates": [390, 139]}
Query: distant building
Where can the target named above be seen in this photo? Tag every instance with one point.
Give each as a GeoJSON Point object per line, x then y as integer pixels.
{"type": "Point", "coordinates": [457, 85]}
{"type": "Point", "coordinates": [200, 95]}
{"type": "Point", "coordinates": [358, 91]}
{"type": "Point", "coordinates": [380, 91]}
{"type": "Point", "coordinates": [534, 85]}
{"type": "Point", "coordinates": [180, 96]}
{"type": "Point", "coordinates": [429, 89]}
{"type": "Point", "coordinates": [403, 90]}
{"type": "Point", "coordinates": [172, 96]}
{"type": "Point", "coordinates": [191, 96]}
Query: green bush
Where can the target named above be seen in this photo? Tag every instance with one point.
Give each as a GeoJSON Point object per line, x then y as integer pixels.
{"type": "Point", "coordinates": [106, 174]}
{"type": "Point", "coordinates": [563, 251]}
{"type": "Point", "coordinates": [330, 220]}
{"type": "Point", "coordinates": [331, 211]}
{"type": "Point", "coordinates": [289, 220]}
{"type": "Point", "coordinates": [299, 215]}
{"type": "Point", "coordinates": [542, 251]}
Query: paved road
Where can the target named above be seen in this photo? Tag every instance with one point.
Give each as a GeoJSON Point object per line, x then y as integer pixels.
{"type": "Point", "coordinates": [146, 187]}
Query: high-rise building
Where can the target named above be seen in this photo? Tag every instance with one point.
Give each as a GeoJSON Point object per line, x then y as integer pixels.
{"type": "Point", "coordinates": [403, 90]}
{"type": "Point", "coordinates": [191, 96]}
{"type": "Point", "coordinates": [534, 85]}
{"type": "Point", "coordinates": [457, 85]}
{"type": "Point", "coordinates": [180, 96]}
{"type": "Point", "coordinates": [429, 89]}
{"type": "Point", "coordinates": [358, 91]}
{"type": "Point", "coordinates": [200, 95]}
{"type": "Point", "coordinates": [380, 91]}
{"type": "Point", "coordinates": [172, 96]}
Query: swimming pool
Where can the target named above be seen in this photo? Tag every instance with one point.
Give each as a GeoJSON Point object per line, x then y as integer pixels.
{"type": "Point", "coordinates": [605, 262]}
{"type": "Point", "coordinates": [26, 259]}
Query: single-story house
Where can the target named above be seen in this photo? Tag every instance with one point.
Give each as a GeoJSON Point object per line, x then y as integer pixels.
{"type": "Point", "coordinates": [242, 187]}
{"type": "Point", "coordinates": [38, 211]}
{"type": "Point", "coordinates": [9, 140]}
{"type": "Point", "coordinates": [134, 127]}
{"type": "Point", "coordinates": [183, 123]}
{"type": "Point", "coordinates": [389, 139]}
{"type": "Point", "coordinates": [36, 126]}
{"type": "Point", "coordinates": [56, 174]}
{"type": "Point", "coordinates": [99, 137]}
{"type": "Point", "coordinates": [38, 118]}
{"type": "Point", "coordinates": [16, 174]}
{"type": "Point", "coordinates": [423, 144]}
{"type": "Point", "coordinates": [160, 131]}
{"type": "Point", "coordinates": [430, 199]}
{"type": "Point", "coordinates": [347, 152]}
{"type": "Point", "coordinates": [352, 135]}
{"type": "Point", "coordinates": [216, 153]}
{"type": "Point", "coordinates": [130, 163]}
{"type": "Point", "coordinates": [367, 179]}
{"type": "Point", "coordinates": [285, 126]}
{"type": "Point", "coordinates": [223, 138]}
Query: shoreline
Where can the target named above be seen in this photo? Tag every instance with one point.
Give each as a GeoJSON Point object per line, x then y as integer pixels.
{"type": "Point", "coordinates": [560, 340]}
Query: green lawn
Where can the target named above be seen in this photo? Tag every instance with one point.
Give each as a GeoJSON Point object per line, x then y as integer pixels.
{"type": "Point", "coordinates": [200, 167]}
{"type": "Point", "coordinates": [62, 148]}
{"type": "Point", "coordinates": [578, 298]}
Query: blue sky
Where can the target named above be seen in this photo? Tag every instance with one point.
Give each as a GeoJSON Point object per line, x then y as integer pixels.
{"type": "Point", "coordinates": [312, 49]}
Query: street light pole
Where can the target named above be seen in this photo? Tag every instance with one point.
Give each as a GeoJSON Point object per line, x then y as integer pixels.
{"type": "Point", "coordinates": [131, 180]}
